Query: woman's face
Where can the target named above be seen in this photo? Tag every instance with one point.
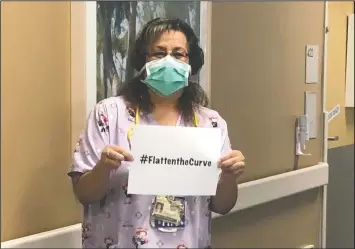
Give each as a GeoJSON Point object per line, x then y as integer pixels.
{"type": "Point", "coordinates": [173, 43]}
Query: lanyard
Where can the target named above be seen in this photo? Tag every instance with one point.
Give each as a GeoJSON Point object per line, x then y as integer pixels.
{"type": "Point", "coordinates": [136, 122]}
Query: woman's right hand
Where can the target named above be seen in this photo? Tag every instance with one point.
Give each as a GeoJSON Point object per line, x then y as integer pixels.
{"type": "Point", "coordinates": [91, 186]}
{"type": "Point", "coordinates": [112, 156]}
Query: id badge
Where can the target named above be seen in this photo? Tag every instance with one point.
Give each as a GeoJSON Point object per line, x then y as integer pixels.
{"type": "Point", "coordinates": [168, 213]}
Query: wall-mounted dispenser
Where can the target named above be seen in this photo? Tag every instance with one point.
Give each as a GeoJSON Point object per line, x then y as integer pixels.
{"type": "Point", "coordinates": [302, 135]}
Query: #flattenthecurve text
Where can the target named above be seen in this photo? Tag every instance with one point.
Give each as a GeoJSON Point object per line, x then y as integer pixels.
{"type": "Point", "coordinates": [145, 159]}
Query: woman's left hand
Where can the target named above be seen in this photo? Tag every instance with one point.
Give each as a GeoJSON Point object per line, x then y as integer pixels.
{"type": "Point", "coordinates": [232, 163]}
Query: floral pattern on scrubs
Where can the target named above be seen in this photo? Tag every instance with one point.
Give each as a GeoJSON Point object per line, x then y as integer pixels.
{"type": "Point", "coordinates": [120, 220]}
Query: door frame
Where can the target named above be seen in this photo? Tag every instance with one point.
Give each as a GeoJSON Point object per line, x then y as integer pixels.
{"type": "Point", "coordinates": [324, 189]}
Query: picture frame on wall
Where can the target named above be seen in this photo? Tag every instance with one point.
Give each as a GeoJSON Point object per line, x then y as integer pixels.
{"type": "Point", "coordinates": [111, 30]}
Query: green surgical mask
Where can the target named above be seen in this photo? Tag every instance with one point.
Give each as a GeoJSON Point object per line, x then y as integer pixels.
{"type": "Point", "coordinates": [167, 75]}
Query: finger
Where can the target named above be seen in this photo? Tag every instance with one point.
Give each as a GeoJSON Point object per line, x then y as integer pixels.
{"type": "Point", "coordinates": [235, 167]}
{"type": "Point", "coordinates": [126, 154]}
{"type": "Point", "coordinates": [239, 164]}
{"type": "Point", "coordinates": [231, 154]}
{"type": "Point", "coordinates": [236, 170]}
{"type": "Point", "coordinates": [113, 155]}
{"type": "Point", "coordinates": [231, 161]}
{"type": "Point", "coordinates": [225, 157]}
{"type": "Point", "coordinates": [112, 162]}
{"type": "Point", "coordinates": [116, 156]}
{"type": "Point", "coordinates": [239, 172]}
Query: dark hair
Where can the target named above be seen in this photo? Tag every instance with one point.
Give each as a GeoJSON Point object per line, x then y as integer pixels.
{"type": "Point", "coordinates": [136, 92]}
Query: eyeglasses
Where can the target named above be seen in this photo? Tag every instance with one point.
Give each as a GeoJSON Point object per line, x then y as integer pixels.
{"type": "Point", "coordinates": [179, 55]}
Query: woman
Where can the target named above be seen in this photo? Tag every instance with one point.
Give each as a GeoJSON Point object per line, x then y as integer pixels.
{"type": "Point", "coordinates": [166, 54]}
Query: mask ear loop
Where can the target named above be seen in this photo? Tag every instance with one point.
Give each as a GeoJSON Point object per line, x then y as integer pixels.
{"type": "Point", "coordinates": [142, 69]}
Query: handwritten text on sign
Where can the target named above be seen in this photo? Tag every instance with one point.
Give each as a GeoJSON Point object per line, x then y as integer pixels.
{"type": "Point", "coordinates": [333, 113]}
{"type": "Point", "coordinates": [171, 160]}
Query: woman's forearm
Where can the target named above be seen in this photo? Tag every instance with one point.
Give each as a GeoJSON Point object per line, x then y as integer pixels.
{"type": "Point", "coordinates": [226, 195]}
{"type": "Point", "coordinates": [92, 186]}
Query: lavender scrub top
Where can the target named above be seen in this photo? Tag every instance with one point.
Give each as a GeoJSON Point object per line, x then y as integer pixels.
{"type": "Point", "coordinates": [123, 221]}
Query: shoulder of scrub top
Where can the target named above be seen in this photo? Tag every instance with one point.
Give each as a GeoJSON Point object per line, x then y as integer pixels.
{"type": "Point", "coordinates": [114, 107]}
{"type": "Point", "coordinates": [207, 116]}
{"type": "Point", "coordinates": [113, 103]}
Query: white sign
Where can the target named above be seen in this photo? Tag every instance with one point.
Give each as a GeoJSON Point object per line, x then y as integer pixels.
{"type": "Point", "coordinates": [333, 113]}
{"type": "Point", "coordinates": [179, 161]}
{"type": "Point", "coordinates": [311, 111]}
{"type": "Point", "coordinates": [312, 64]}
